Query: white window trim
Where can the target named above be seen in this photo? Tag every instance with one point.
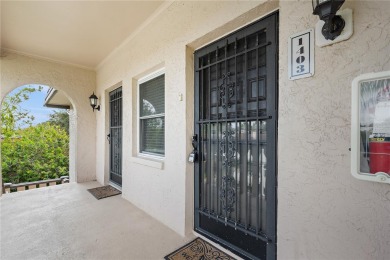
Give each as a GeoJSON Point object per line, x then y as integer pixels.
{"type": "Point", "coordinates": [158, 163]}
{"type": "Point", "coordinates": [150, 76]}
{"type": "Point", "coordinates": [144, 79]}
{"type": "Point", "coordinates": [355, 129]}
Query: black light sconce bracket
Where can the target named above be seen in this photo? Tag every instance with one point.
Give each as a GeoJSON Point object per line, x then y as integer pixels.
{"type": "Point", "coordinates": [327, 12]}
{"type": "Point", "coordinates": [345, 34]}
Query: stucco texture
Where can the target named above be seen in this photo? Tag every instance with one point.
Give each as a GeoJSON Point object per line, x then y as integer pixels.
{"type": "Point", "coordinates": [323, 212]}
{"type": "Point", "coordinates": [168, 42]}
{"type": "Point", "coordinates": [77, 84]}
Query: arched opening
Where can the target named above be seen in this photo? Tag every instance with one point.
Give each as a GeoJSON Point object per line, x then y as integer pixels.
{"type": "Point", "coordinates": [38, 138]}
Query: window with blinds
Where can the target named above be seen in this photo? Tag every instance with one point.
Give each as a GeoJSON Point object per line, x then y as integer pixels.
{"type": "Point", "coordinates": [152, 116]}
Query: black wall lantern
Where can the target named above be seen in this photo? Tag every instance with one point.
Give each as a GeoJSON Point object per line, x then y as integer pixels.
{"type": "Point", "coordinates": [326, 10]}
{"type": "Point", "coordinates": [93, 100]}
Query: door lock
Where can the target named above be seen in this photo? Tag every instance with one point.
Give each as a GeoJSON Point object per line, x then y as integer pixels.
{"type": "Point", "coordinates": [193, 157]}
{"type": "Point", "coordinates": [109, 138]}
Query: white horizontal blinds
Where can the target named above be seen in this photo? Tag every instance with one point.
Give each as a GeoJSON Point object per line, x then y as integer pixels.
{"type": "Point", "coordinates": [153, 135]}
{"type": "Point", "coordinates": [152, 116]}
{"type": "Point", "coordinates": [152, 97]}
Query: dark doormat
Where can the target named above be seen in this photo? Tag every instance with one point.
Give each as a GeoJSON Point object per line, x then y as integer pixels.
{"type": "Point", "coordinates": [198, 249]}
{"type": "Point", "coordinates": [104, 192]}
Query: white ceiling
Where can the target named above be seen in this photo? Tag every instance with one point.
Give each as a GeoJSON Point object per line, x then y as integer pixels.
{"type": "Point", "coordinates": [81, 33]}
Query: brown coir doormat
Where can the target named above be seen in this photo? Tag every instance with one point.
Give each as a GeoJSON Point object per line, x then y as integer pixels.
{"type": "Point", "coordinates": [198, 249]}
{"type": "Point", "coordinates": [104, 192]}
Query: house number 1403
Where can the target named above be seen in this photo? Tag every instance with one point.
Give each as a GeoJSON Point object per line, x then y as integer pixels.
{"type": "Point", "coordinates": [301, 50]}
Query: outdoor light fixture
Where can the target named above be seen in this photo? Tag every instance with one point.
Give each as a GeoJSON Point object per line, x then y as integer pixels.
{"type": "Point", "coordinates": [93, 100]}
{"type": "Point", "coordinates": [326, 10]}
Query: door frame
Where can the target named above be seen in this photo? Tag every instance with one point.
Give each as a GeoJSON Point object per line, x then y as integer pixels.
{"type": "Point", "coordinates": [271, 214]}
{"type": "Point", "coordinates": [106, 179]}
{"type": "Point", "coordinates": [120, 111]}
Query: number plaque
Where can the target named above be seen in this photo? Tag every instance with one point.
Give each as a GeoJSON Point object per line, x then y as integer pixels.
{"type": "Point", "coordinates": [301, 55]}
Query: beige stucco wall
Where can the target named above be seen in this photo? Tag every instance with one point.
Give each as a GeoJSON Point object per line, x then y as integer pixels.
{"type": "Point", "coordinates": [166, 193]}
{"type": "Point", "coordinates": [77, 84]}
{"type": "Point", "coordinates": [323, 212]}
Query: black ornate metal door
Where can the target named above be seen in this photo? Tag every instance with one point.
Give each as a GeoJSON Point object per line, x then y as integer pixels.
{"type": "Point", "coordinates": [236, 124]}
{"type": "Point", "coordinates": [116, 136]}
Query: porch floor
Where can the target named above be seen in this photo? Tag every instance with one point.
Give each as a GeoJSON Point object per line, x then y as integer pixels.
{"type": "Point", "coordinates": [67, 222]}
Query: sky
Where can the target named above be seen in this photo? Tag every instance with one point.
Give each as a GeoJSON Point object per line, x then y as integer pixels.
{"type": "Point", "coordinates": [35, 104]}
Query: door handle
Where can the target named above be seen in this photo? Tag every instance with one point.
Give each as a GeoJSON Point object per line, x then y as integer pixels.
{"type": "Point", "coordinates": [195, 142]}
{"type": "Point", "coordinates": [109, 138]}
{"type": "Point", "coordinates": [193, 157]}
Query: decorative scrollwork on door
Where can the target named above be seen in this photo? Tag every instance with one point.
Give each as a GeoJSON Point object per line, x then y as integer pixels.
{"type": "Point", "coordinates": [227, 86]}
{"type": "Point", "coordinates": [227, 147]}
{"type": "Point", "coordinates": [227, 194]}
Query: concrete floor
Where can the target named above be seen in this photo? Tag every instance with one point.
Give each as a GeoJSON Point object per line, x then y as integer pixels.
{"type": "Point", "coordinates": [67, 222]}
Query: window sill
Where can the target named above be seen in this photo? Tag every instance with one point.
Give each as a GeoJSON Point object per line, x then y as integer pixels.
{"type": "Point", "coordinates": [154, 163]}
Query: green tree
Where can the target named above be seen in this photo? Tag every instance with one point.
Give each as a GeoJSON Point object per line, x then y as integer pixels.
{"type": "Point", "coordinates": [60, 118]}
{"type": "Point", "coordinates": [13, 116]}
{"type": "Point", "coordinates": [30, 153]}
{"type": "Point", "coordinates": [40, 152]}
